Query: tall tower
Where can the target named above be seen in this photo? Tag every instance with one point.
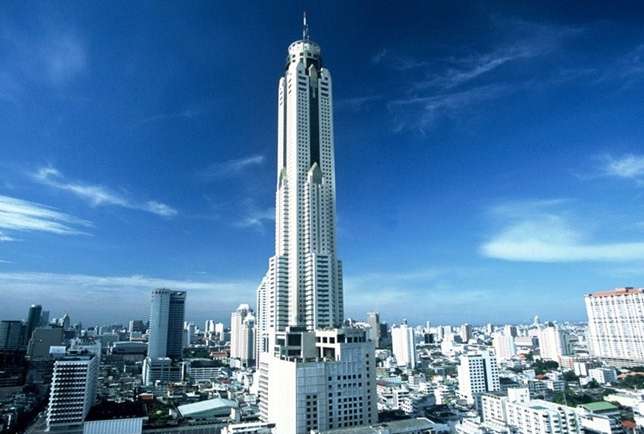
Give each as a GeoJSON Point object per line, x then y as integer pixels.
{"type": "Point", "coordinates": [166, 323]}
{"type": "Point", "coordinates": [33, 320]}
{"type": "Point", "coordinates": [303, 284]}
{"type": "Point", "coordinates": [309, 367]}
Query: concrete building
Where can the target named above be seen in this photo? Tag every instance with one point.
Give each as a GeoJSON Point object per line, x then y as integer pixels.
{"type": "Point", "coordinates": [12, 335]}
{"type": "Point", "coordinates": [504, 346]}
{"type": "Point", "coordinates": [403, 342]}
{"type": "Point", "coordinates": [465, 332]}
{"type": "Point", "coordinates": [111, 417]}
{"type": "Point", "coordinates": [73, 391]}
{"type": "Point", "coordinates": [616, 325]}
{"type": "Point", "coordinates": [477, 373]}
{"type": "Point", "coordinates": [312, 373]}
{"type": "Point", "coordinates": [242, 335]}
{"type": "Point", "coordinates": [554, 343]}
{"type": "Point", "coordinates": [373, 319]}
{"type": "Point", "coordinates": [41, 340]}
{"type": "Point", "coordinates": [603, 375]}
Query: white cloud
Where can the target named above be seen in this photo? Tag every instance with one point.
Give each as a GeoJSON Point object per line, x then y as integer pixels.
{"type": "Point", "coordinates": [64, 57]}
{"type": "Point", "coordinates": [97, 195]}
{"type": "Point", "coordinates": [540, 232]}
{"type": "Point", "coordinates": [23, 216]}
{"type": "Point", "coordinates": [628, 166]}
{"type": "Point", "coordinates": [231, 167]}
{"type": "Point", "coordinates": [255, 218]}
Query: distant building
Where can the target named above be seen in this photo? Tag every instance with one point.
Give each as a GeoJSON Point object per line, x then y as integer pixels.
{"type": "Point", "coordinates": [242, 335]}
{"type": "Point", "coordinates": [403, 342]}
{"type": "Point", "coordinates": [73, 391]}
{"type": "Point", "coordinates": [504, 346]}
{"type": "Point", "coordinates": [554, 343]}
{"type": "Point", "coordinates": [477, 373]}
{"type": "Point", "coordinates": [603, 375]}
{"type": "Point", "coordinates": [466, 332]}
{"type": "Point", "coordinates": [616, 325]}
{"type": "Point", "coordinates": [373, 319]}
{"type": "Point", "coordinates": [11, 335]}
{"type": "Point", "coordinates": [33, 320]}
{"type": "Point", "coordinates": [41, 340]}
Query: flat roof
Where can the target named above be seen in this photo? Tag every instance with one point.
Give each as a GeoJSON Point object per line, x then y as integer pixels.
{"type": "Point", "coordinates": [107, 410]}
{"type": "Point", "coordinates": [207, 405]}
{"type": "Point", "coordinates": [599, 406]}
{"type": "Point", "coordinates": [416, 423]}
{"type": "Point", "coordinates": [617, 291]}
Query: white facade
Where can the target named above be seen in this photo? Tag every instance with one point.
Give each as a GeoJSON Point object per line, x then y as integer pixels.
{"type": "Point", "coordinates": [319, 381]}
{"type": "Point", "coordinates": [73, 391]}
{"type": "Point", "coordinates": [603, 375]}
{"type": "Point", "coordinates": [504, 346]}
{"type": "Point", "coordinates": [403, 342]}
{"type": "Point", "coordinates": [553, 343]}
{"type": "Point", "coordinates": [242, 334]}
{"type": "Point", "coordinates": [616, 324]}
{"type": "Point", "coordinates": [477, 373]}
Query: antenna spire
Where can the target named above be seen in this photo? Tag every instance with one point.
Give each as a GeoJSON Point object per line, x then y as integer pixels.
{"type": "Point", "coordinates": [305, 29]}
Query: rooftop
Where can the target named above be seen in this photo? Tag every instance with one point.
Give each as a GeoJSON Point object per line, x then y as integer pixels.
{"type": "Point", "coordinates": [116, 410]}
{"type": "Point", "coordinates": [383, 428]}
{"type": "Point", "coordinates": [599, 406]}
{"type": "Point", "coordinates": [617, 291]}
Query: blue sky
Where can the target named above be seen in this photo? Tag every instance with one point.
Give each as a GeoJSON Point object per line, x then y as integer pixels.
{"type": "Point", "coordinates": [490, 156]}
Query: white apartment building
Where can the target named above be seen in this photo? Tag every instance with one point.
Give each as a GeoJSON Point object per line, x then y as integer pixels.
{"type": "Point", "coordinates": [242, 334]}
{"type": "Point", "coordinates": [504, 346]}
{"type": "Point", "coordinates": [73, 391]}
{"type": "Point", "coordinates": [603, 375]}
{"type": "Point", "coordinates": [477, 373]}
{"type": "Point", "coordinates": [616, 325]}
{"type": "Point", "coordinates": [403, 342]}
{"type": "Point", "coordinates": [554, 343]}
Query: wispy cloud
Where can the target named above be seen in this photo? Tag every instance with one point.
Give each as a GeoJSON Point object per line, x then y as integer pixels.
{"type": "Point", "coordinates": [256, 218]}
{"type": "Point", "coordinates": [230, 168]}
{"type": "Point", "coordinates": [627, 166]}
{"type": "Point", "coordinates": [542, 232]}
{"type": "Point", "coordinates": [127, 295]}
{"type": "Point", "coordinates": [186, 114]}
{"type": "Point", "coordinates": [17, 215]}
{"type": "Point", "coordinates": [356, 103]}
{"type": "Point", "coordinates": [379, 56]}
{"type": "Point", "coordinates": [64, 57]}
{"type": "Point", "coordinates": [97, 195]}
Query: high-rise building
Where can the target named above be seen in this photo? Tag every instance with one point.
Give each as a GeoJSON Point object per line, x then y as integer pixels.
{"type": "Point", "coordinates": [477, 373]}
{"type": "Point", "coordinates": [554, 343]}
{"type": "Point", "coordinates": [73, 391]}
{"type": "Point", "coordinates": [403, 343]}
{"type": "Point", "coordinates": [466, 332]}
{"type": "Point", "coordinates": [238, 343]}
{"type": "Point", "coordinates": [373, 319]}
{"type": "Point", "coordinates": [166, 330]}
{"type": "Point", "coordinates": [504, 346]}
{"type": "Point", "coordinates": [33, 320]}
{"type": "Point", "coordinates": [510, 330]}
{"type": "Point", "coordinates": [313, 375]}
{"type": "Point", "coordinates": [166, 324]}
{"type": "Point", "coordinates": [44, 318]}
{"type": "Point", "coordinates": [616, 325]}
{"type": "Point", "coordinates": [11, 335]}
{"type": "Point", "coordinates": [247, 340]}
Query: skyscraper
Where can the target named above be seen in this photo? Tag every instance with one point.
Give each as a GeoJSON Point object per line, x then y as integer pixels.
{"type": "Point", "coordinates": [373, 319]}
{"type": "Point", "coordinates": [309, 368]}
{"type": "Point", "coordinates": [616, 325]}
{"type": "Point", "coordinates": [242, 334]}
{"type": "Point", "coordinates": [403, 343]}
{"type": "Point", "coordinates": [167, 312]}
{"type": "Point", "coordinates": [33, 320]}
{"type": "Point", "coordinates": [553, 343]}
{"type": "Point", "coordinates": [165, 343]}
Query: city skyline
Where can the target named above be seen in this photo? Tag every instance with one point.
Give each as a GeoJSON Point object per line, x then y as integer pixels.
{"type": "Point", "coordinates": [154, 167]}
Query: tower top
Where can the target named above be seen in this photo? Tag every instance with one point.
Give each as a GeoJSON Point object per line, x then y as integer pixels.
{"type": "Point", "coordinates": [305, 28]}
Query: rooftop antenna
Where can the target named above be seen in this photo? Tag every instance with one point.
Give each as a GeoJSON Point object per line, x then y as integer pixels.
{"type": "Point", "coordinates": [305, 29]}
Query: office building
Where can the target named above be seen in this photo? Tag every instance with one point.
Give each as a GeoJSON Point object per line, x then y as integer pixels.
{"type": "Point", "coordinates": [42, 339]}
{"type": "Point", "coordinates": [403, 342]}
{"type": "Point", "coordinates": [616, 325]}
{"type": "Point", "coordinates": [312, 373]}
{"type": "Point", "coordinates": [477, 373]}
{"type": "Point", "coordinates": [11, 335]}
{"type": "Point", "coordinates": [166, 340]}
{"type": "Point", "coordinates": [73, 391]}
{"type": "Point", "coordinates": [167, 312]}
{"type": "Point", "coordinates": [33, 320]}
